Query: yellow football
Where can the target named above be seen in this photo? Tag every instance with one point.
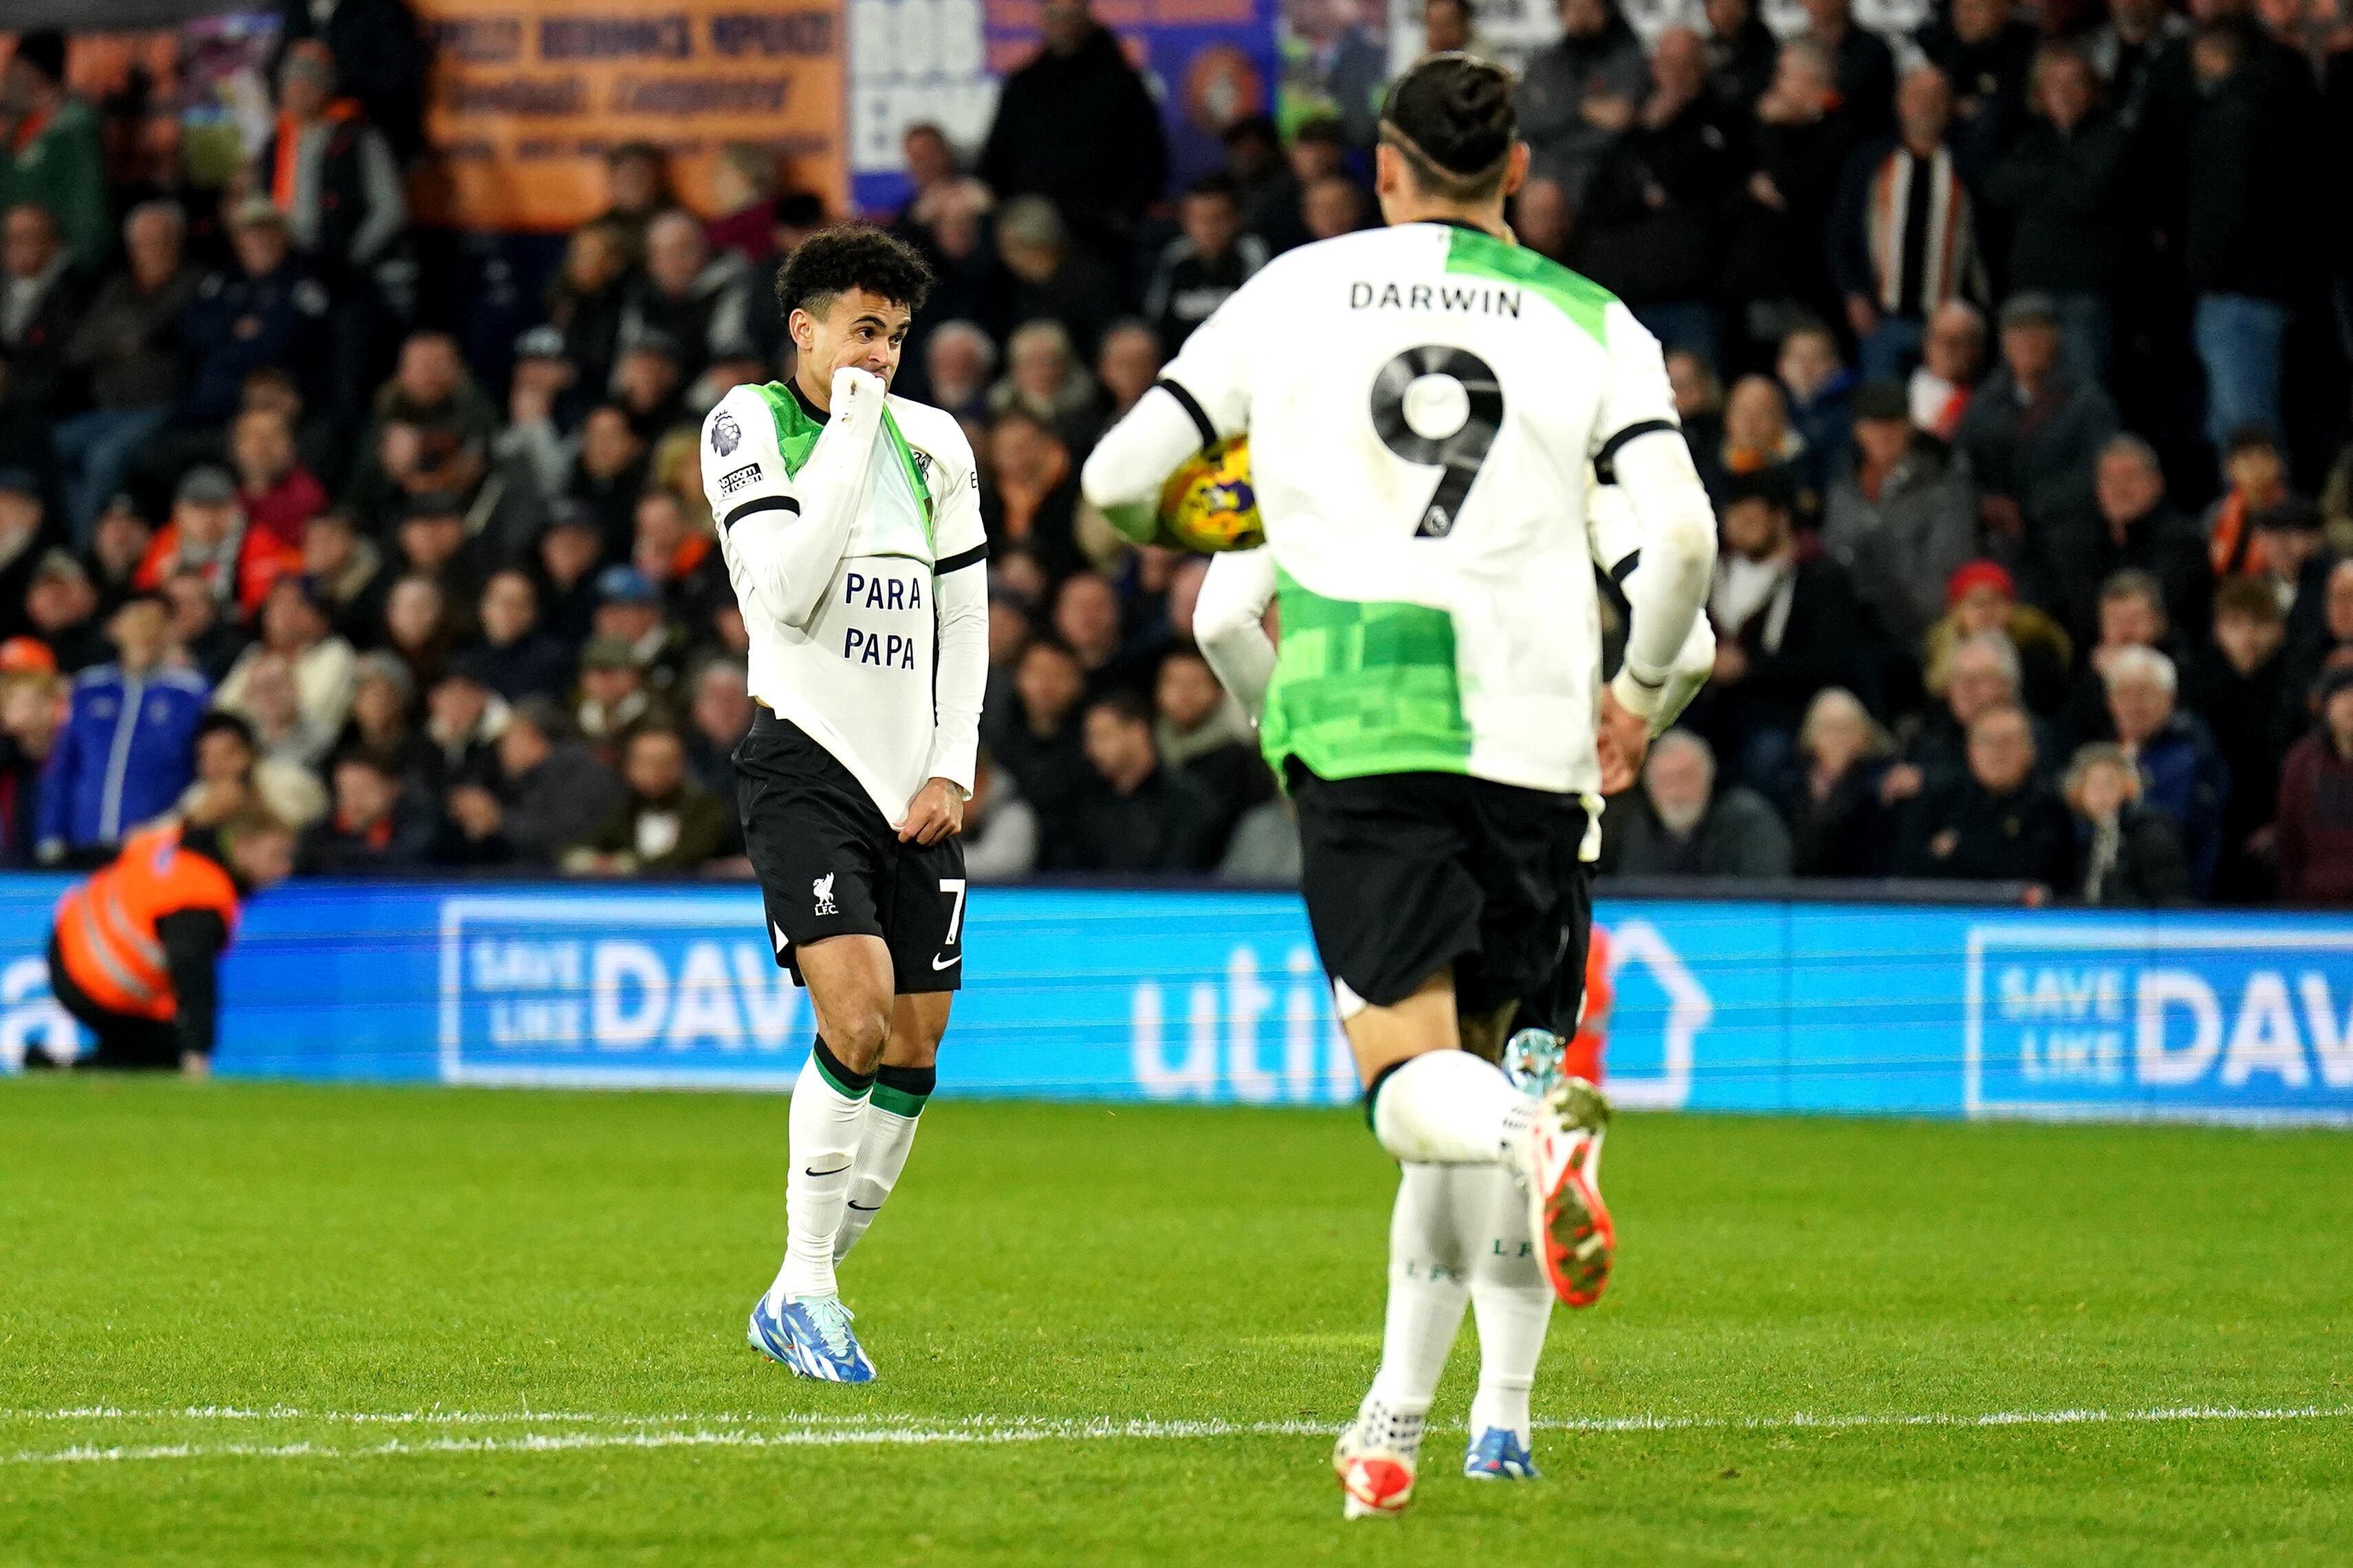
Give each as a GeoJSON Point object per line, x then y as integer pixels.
{"type": "Point", "coordinates": [1209, 505]}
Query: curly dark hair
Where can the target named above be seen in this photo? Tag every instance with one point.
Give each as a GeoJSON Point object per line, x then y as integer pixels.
{"type": "Point", "coordinates": [852, 256]}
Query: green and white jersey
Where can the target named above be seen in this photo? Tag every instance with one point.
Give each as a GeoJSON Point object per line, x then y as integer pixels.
{"type": "Point", "coordinates": [1424, 405]}
{"type": "Point", "coordinates": [858, 673]}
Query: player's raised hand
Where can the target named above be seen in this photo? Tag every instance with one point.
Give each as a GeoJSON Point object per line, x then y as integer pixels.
{"type": "Point", "coordinates": [1622, 739]}
{"type": "Point", "coordinates": [936, 812]}
{"type": "Point", "coordinates": [855, 391]}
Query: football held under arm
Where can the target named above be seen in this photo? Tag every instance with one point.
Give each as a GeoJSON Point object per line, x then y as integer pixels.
{"type": "Point", "coordinates": [1201, 398]}
{"type": "Point", "coordinates": [786, 532]}
{"type": "Point", "coordinates": [1124, 475]}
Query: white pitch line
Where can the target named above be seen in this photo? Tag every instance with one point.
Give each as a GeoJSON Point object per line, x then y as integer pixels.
{"type": "Point", "coordinates": [984, 1430]}
{"type": "Point", "coordinates": [424, 1417]}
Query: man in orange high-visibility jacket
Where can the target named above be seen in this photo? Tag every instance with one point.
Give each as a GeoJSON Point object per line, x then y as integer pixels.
{"type": "Point", "coordinates": [134, 949]}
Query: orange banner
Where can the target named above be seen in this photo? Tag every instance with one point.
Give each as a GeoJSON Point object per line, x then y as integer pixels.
{"type": "Point", "coordinates": [529, 95]}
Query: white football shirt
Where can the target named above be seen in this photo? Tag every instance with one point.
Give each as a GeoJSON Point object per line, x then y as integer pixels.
{"type": "Point", "coordinates": [857, 675]}
{"type": "Point", "coordinates": [1425, 404]}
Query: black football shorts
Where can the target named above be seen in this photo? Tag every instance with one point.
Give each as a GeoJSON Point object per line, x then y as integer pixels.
{"type": "Point", "coordinates": [1406, 874]}
{"type": "Point", "coordinates": [829, 866]}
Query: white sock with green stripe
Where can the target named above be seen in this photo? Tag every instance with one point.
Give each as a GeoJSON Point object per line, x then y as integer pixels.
{"type": "Point", "coordinates": [828, 1119]}
{"type": "Point", "coordinates": [891, 1113]}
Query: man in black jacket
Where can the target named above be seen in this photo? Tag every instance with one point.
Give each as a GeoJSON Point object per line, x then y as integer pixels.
{"type": "Point", "coordinates": [2032, 436]}
{"type": "Point", "coordinates": [333, 174]}
{"type": "Point", "coordinates": [2000, 824]}
{"type": "Point", "coordinates": [378, 822]}
{"type": "Point", "coordinates": [1740, 53]}
{"type": "Point", "coordinates": [1983, 674]}
{"type": "Point", "coordinates": [2059, 190]}
{"type": "Point", "coordinates": [1647, 231]}
{"type": "Point", "coordinates": [41, 301]}
{"type": "Point", "coordinates": [2131, 855]}
{"type": "Point", "coordinates": [123, 347]}
{"type": "Point", "coordinates": [1867, 66]}
{"type": "Point", "coordinates": [1042, 747]}
{"type": "Point", "coordinates": [383, 55]}
{"type": "Point", "coordinates": [2233, 683]}
{"type": "Point", "coordinates": [1201, 270]}
{"type": "Point", "coordinates": [1135, 815]}
{"type": "Point", "coordinates": [2129, 525]}
{"type": "Point", "coordinates": [1077, 126]}
{"type": "Point", "coordinates": [1987, 54]}
{"type": "Point", "coordinates": [1787, 625]}
{"type": "Point", "coordinates": [2247, 234]}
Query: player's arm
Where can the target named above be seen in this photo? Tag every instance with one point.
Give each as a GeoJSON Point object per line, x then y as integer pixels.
{"type": "Point", "coordinates": [193, 944]}
{"type": "Point", "coordinates": [1229, 624]}
{"type": "Point", "coordinates": [960, 599]}
{"type": "Point", "coordinates": [787, 531]}
{"type": "Point", "coordinates": [1669, 538]}
{"type": "Point", "coordinates": [1201, 398]}
{"type": "Point", "coordinates": [1614, 532]}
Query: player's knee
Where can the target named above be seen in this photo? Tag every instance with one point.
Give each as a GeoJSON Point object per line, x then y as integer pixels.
{"type": "Point", "coordinates": [855, 1028]}
{"type": "Point", "coordinates": [921, 1051]}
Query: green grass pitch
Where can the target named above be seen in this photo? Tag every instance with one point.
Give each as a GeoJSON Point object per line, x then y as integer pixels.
{"type": "Point", "coordinates": [541, 1298]}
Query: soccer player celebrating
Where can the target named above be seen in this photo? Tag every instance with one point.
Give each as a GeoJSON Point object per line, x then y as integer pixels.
{"type": "Point", "coordinates": [852, 529]}
{"type": "Point", "coordinates": [1423, 403]}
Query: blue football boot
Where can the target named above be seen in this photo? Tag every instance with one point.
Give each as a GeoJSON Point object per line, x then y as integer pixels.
{"type": "Point", "coordinates": [1499, 1455]}
{"type": "Point", "coordinates": [811, 1336]}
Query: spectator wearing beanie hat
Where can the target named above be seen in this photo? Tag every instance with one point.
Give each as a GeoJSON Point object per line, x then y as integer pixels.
{"type": "Point", "coordinates": [62, 605]}
{"type": "Point", "coordinates": [207, 535]}
{"type": "Point", "coordinates": [2033, 432]}
{"type": "Point", "coordinates": [383, 709]}
{"type": "Point", "coordinates": [1981, 596]}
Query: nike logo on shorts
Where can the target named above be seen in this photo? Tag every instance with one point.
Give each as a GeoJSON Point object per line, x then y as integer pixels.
{"type": "Point", "coordinates": [940, 961]}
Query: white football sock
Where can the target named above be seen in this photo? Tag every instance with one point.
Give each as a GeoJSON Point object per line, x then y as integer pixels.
{"type": "Point", "coordinates": [891, 1113]}
{"type": "Point", "coordinates": [1450, 1108]}
{"type": "Point", "coordinates": [1509, 1298]}
{"type": "Point", "coordinates": [826, 1118]}
{"type": "Point", "coordinates": [1426, 1295]}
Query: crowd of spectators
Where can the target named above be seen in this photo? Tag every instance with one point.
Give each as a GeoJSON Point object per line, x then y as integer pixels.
{"type": "Point", "coordinates": [1989, 341]}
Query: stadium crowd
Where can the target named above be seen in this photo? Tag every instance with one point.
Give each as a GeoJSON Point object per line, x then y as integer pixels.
{"type": "Point", "coordinates": [2000, 345]}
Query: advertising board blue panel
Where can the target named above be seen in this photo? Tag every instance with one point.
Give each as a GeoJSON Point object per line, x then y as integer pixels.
{"type": "Point", "coordinates": [1216, 997]}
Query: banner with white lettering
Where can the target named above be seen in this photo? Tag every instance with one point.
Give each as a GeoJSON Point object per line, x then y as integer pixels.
{"type": "Point", "coordinates": [1217, 997]}
{"type": "Point", "coordinates": [528, 95]}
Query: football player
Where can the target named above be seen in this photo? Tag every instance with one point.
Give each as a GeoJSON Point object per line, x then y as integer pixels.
{"type": "Point", "coordinates": [852, 529]}
{"type": "Point", "coordinates": [1427, 406]}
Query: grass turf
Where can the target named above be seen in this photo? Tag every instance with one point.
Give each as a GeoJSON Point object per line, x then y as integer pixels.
{"type": "Point", "coordinates": [306, 1255]}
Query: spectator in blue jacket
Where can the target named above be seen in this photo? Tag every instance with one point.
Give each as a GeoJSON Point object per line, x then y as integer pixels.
{"type": "Point", "coordinates": [269, 310]}
{"type": "Point", "coordinates": [2183, 776]}
{"type": "Point", "coordinates": [129, 745]}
